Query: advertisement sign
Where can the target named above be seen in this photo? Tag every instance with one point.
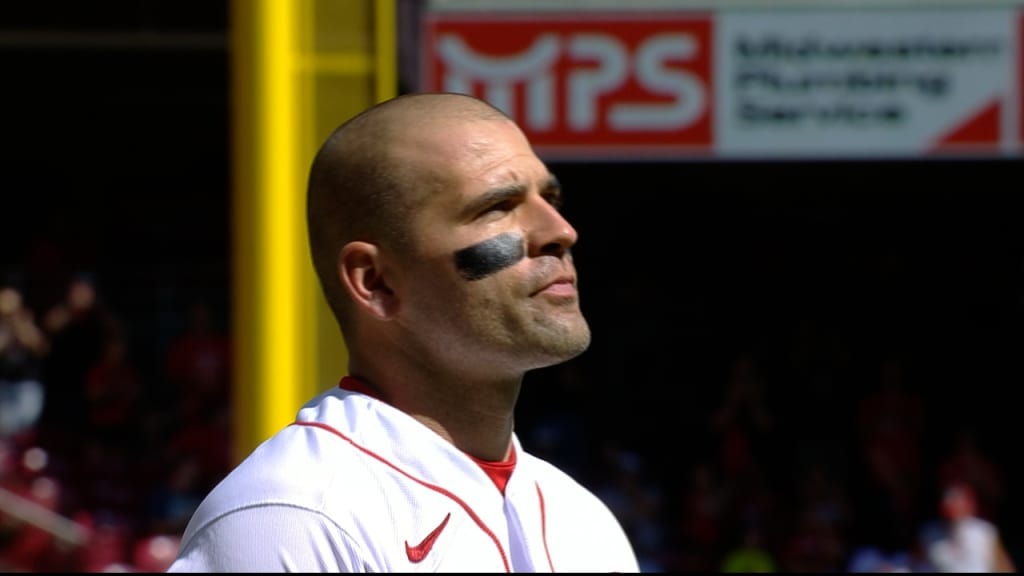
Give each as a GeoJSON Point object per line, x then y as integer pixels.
{"type": "Point", "coordinates": [742, 83]}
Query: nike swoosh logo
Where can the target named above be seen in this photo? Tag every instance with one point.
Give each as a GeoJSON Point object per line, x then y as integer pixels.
{"type": "Point", "coordinates": [418, 552]}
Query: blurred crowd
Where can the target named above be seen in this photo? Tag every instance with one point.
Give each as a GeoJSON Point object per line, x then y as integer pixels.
{"type": "Point", "coordinates": [103, 462]}
{"type": "Point", "coordinates": [101, 465]}
{"type": "Point", "coordinates": [890, 498]}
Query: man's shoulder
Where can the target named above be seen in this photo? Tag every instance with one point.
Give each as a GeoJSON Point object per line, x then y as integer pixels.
{"type": "Point", "coordinates": [292, 467]}
{"type": "Point", "coordinates": [299, 465]}
{"type": "Point", "coordinates": [555, 478]}
{"type": "Point", "coordinates": [572, 509]}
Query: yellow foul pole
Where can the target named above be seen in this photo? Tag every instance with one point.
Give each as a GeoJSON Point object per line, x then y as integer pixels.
{"type": "Point", "coordinates": [298, 68]}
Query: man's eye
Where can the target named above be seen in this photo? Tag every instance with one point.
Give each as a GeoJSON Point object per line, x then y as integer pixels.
{"type": "Point", "coordinates": [505, 206]}
{"type": "Point", "coordinates": [556, 200]}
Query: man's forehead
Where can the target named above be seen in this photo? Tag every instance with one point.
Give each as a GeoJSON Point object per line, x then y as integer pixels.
{"type": "Point", "coordinates": [476, 149]}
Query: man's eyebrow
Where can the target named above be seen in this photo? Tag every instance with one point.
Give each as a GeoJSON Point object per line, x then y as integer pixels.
{"type": "Point", "coordinates": [500, 194]}
{"type": "Point", "coordinates": [495, 195]}
{"type": "Point", "coordinates": [552, 185]}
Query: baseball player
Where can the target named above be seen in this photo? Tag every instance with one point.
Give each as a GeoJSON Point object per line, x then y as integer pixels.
{"type": "Point", "coordinates": [436, 234]}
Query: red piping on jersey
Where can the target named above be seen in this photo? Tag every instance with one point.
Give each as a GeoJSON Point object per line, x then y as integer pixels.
{"type": "Point", "coordinates": [544, 526]}
{"type": "Point", "coordinates": [438, 489]}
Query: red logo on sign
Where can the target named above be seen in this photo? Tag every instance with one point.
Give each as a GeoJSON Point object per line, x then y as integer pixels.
{"type": "Point", "coordinates": [580, 82]}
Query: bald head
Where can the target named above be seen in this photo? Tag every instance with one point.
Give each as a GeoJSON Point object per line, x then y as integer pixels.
{"type": "Point", "coordinates": [361, 185]}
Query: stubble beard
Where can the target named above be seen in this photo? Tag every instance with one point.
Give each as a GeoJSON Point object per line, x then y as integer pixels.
{"type": "Point", "coordinates": [564, 339]}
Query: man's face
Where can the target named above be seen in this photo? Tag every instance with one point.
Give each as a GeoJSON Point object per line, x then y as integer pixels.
{"type": "Point", "coordinates": [490, 279]}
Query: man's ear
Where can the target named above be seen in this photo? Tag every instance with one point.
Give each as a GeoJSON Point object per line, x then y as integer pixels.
{"type": "Point", "coordinates": [361, 272]}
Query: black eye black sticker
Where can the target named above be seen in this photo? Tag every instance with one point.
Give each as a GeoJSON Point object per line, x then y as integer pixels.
{"type": "Point", "coordinates": [487, 257]}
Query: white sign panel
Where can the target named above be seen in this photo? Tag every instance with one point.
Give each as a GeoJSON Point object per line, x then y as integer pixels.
{"type": "Point", "coordinates": [874, 83]}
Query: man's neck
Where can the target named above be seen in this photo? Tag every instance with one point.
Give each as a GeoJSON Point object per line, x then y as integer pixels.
{"type": "Point", "coordinates": [477, 419]}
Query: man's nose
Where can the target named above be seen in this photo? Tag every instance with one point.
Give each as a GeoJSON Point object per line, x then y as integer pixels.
{"type": "Point", "coordinates": [548, 232]}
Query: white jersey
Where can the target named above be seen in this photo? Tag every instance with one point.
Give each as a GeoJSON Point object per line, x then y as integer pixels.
{"type": "Point", "coordinates": [355, 485]}
{"type": "Point", "coordinates": [967, 545]}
